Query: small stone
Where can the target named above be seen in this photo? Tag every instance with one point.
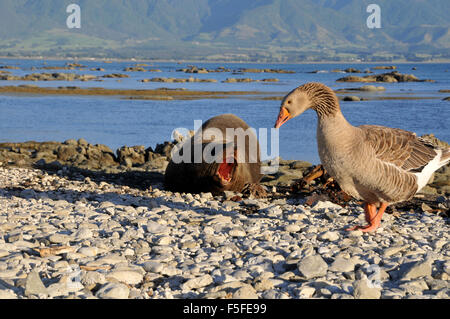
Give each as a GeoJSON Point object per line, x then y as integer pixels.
{"type": "Point", "coordinates": [363, 289]}
{"type": "Point", "coordinates": [245, 292]}
{"type": "Point", "coordinates": [393, 250]}
{"type": "Point", "coordinates": [416, 269]}
{"type": "Point", "coordinates": [189, 244]}
{"type": "Point", "coordinates": [263, 285]}
{"type": "Point", "coordinates": [306, 292]}
{"type": "Point", "coordinates": [170, 271]}
{"type": "Point", "coordinates": [113, 291]}
{"type": "Point", "coordinates": [312, 266]}
{"type": "Point", "coordinates": [341, 264]}
{"type": "Point", "coordinates": [164, 240]}
{"type": "Point", "coordinates": [59, 238]}
{"type": "Point", "coordinates": [7, 294]}
{"type": "Point", "coordinates": [88, 251]}
{"type": "Point", "coordinates": [426, 208]}
{"type": "Point", "coordinates": [414, 287]}
{"type": "Point", "coordinates": [156, 228]}
{"type": "Point", "coordinates": [355, 233]}
{"type": "Point", "coordinates": [197, 282]}
{"type": "Point", "coordinates": [153, 266]}
{"type": "Point", "coordinates": [329, 235]}
{"type": "Point", "coordinates": [126, 276]}
{"type": "Point", "coordinates": [292, 228]}
{"type": "Point", "coordinates": [236, 232]}
{"type": "Point", "coordinates": [83, 233]}
{"type": "Point", "coordinates": [91, 278]}
{"type": "Point", "coordinates": [324, 205]}
{"type": "Point", "coordinates": [353, 98]}
{"type": "Point", "coordinates": [34, 285]}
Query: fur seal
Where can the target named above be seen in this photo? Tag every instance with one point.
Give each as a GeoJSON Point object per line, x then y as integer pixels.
{"type": "Point", "coordinates": [235, 165]}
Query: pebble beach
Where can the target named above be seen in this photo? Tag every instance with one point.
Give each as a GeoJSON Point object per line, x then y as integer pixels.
{"type": "Point", "coordinates": [67, 235]}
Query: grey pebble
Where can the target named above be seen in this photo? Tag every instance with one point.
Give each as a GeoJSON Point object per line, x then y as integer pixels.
{"type": "Point", "coordinates": [34, 285]}
{"type": "Point", "coordinates": [312, 266]}
{"type": "Point", "coordinates": [113, 291]}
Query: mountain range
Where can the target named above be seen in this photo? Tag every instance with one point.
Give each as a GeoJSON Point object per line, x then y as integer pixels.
{"type": "Point", "coordinates": [256, 30]}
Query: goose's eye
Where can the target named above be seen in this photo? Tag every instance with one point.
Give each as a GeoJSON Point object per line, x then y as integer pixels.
{"type": "Point", "coordinates": [289, 102]}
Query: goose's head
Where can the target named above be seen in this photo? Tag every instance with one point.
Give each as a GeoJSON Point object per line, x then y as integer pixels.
{"type": "Point", "coordinates": [316, 96]}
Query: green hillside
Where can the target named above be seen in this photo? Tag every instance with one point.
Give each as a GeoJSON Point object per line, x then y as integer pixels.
{"type": "Point", "coordinates": [257, 30]}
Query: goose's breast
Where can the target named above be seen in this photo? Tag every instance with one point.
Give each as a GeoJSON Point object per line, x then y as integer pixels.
{"type": "Point", "coordinates": [343, 158]}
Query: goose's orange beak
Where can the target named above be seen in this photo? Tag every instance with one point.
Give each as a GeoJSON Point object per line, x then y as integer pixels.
{"type": "Point", "coordinates": [283, 117]}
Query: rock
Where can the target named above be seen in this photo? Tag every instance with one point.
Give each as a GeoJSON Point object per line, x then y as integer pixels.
{"type": "Point", "coordinates": [263, 285]}
{"type": "Point", "coordinates": [362, 289]}
{"type": "Point", "coordinates": [352, 98]}
{"type": "Point", "coordinates": [312, 266]}
{"type": "Point", "coordinates": [91, 278]}
{"type": "Point", "coordinates": [83, 233]}
{"type": "Point", "coordinates": [67, 153]}
{"type": "Point", "coordinates": [113, 291]}
{"type": "Point", "coordinates": [302, 165]}
{"type": "Point", "coordinates": [292, 228]}
{"type": "Point", "coordinates": [371, 88]}
{"type": "Point", "coordinates": [393, 250]}
{"type": "Point", "coordinates": [245, 292]}
{"type": "Point", "coordinates": [352, 70]}
{"type": "Point", "coordinates": [60, 238]}
{"type": "Point", "coordinates": [134, 69]}
{"type": "Point", "coordinates": [391, 77]}
{"type": "Point", "coordinates": [7, 294]}
{"type": "Point", "coordinates": [88, 251]}
{"type": "Point", "coordinates": [417, 269]}
{"type": "Point", "coordinates": [341, 264]}
{"type": "Point", "coordinates": [324, 205]}
{"type": "Point", "coordinates": [153, 266]}
{"type": "Point", "coordinates": [156, 228]}
{"type": "Point", "coordinates": [115, 75]}
{"type": "Point", "coordinates": [355, 233]}
{"type": "Point", "coordinates": [329, 235]}
{"type": "Point", "coordinates": [197, 282]}
{"type": "Point", "coordinates": [306, 292]}
{"type": "Point", "coordinates": [382, 67]}
{"type": "Point", "coordinates": [34, 285]}
{"type": "Point", "coordinates": [237, 232]}
{"type": "Point", "coordinates": [135, 155]}
{"type": "Point", "coordinates": [414, 287]}
{"type": "Point", "coordinates": [126, 276]}
{"type": "Point", "coordinates": [164, 240]}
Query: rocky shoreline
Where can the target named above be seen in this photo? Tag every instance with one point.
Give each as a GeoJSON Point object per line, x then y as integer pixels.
{"type": "Point", "coordinates": [78, 220]}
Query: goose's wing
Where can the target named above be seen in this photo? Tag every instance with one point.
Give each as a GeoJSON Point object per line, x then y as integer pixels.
{"type": "Point", "coordinates": [399, 147]}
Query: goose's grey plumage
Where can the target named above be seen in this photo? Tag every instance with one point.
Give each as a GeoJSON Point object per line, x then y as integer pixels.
{"type": "Point", "coordinates": [377, 164]}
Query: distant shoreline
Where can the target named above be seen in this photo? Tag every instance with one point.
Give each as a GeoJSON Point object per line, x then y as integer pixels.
{"type": "Point", "coordinates": [131, 60]}
{"type": "Point", "coordinates": [178, 94]}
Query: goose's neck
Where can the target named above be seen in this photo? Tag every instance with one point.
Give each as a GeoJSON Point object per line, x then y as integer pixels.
{"type": "Point", "coordinates": [326, 104]}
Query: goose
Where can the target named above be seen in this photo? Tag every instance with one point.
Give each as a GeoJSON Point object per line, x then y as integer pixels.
{"type": "Point", "coordinates": [376, 164]}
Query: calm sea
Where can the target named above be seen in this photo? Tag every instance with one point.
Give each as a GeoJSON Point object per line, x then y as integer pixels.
{"type": "Point", "coordinates": [117, 122]}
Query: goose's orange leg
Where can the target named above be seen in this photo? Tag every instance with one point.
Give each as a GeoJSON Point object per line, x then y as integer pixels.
{"type": "Point", "coordinates": [373, 217]}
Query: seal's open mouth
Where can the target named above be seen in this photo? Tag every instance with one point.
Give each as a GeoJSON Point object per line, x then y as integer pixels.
{"type": "Point", "coordinates": [225, 171]}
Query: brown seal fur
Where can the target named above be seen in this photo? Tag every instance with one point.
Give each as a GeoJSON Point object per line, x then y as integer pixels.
{"type": "Point", "coordinates": [206, 177]}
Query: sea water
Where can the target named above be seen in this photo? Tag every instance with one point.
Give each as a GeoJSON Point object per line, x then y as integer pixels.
{"type": "Point", "coordinates": [116, 122]}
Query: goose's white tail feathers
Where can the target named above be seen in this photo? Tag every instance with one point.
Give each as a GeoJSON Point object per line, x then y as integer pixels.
{"type": "Point", "coordinates": [442, 158]}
